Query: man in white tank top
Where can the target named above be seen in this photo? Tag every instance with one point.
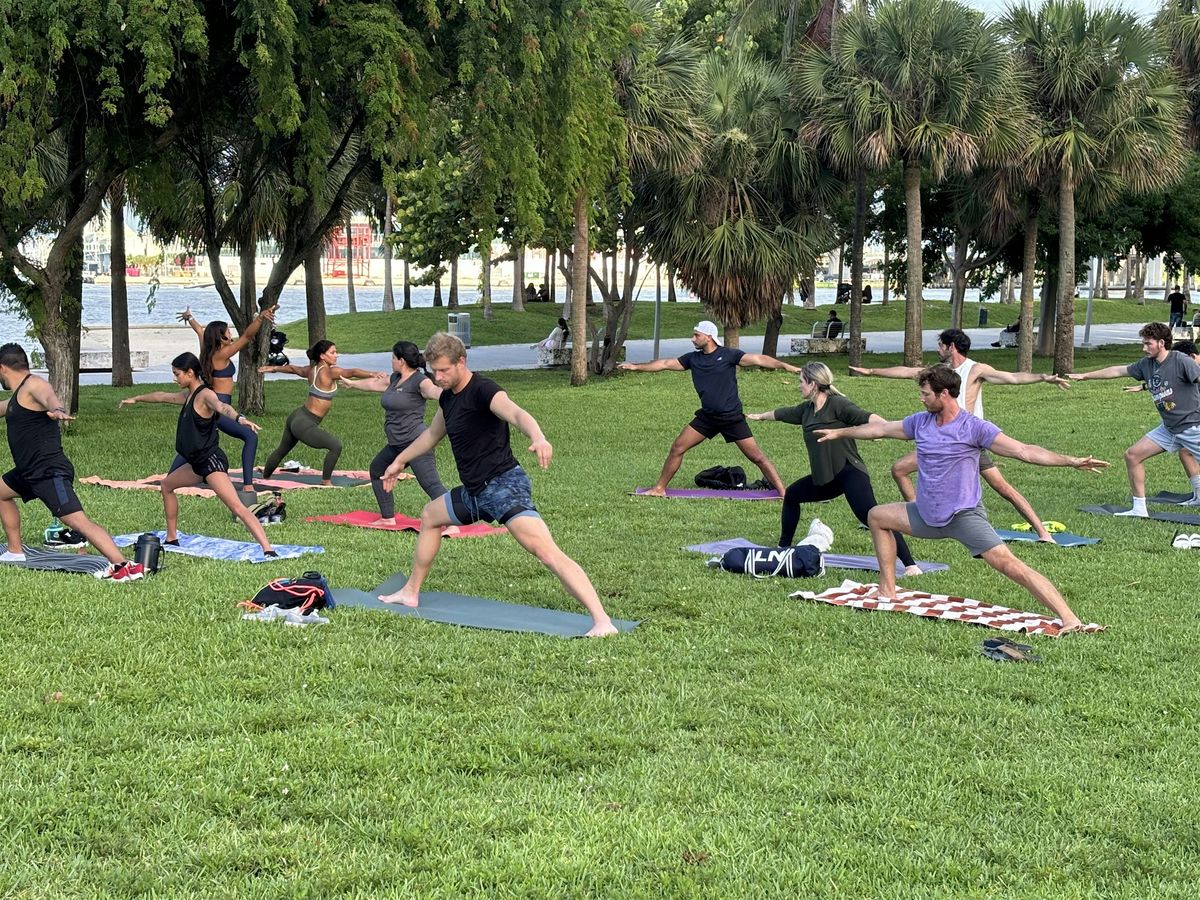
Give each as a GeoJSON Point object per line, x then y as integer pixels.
{"type": "Point", "coordinates": [953, 346]}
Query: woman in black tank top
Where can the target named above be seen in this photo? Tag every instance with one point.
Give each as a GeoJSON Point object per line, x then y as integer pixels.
{"type": "Point", "coordinates": [196, 443]}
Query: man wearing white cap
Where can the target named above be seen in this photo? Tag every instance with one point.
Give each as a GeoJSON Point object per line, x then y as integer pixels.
{"type": "Point", "coordinates": [714, 376]}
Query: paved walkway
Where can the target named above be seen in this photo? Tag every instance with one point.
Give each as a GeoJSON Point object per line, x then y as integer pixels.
{"type": "Point", "coordinates": [522, 356]}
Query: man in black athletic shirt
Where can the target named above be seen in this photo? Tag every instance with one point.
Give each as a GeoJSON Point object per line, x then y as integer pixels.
{"type": "Point", "coordinates": [40, 468]}
{"type": "Point", "coordinates": [714, 375]}
{"type": "Point", "coordinates": [475, 413]}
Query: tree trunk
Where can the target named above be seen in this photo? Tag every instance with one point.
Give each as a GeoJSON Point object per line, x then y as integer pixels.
{"type": "Point", "coordinates": [887, 278]}
{"type": "Point", "coordinates": [1064, 332]}
{"type": "Point", "coordinates": [913, 301]}
{"type": "Point", "coordinates": [857, 240]}
{"type": "Point", "coordinates": [580, 253]}
{"type": "Point", "coordinates": [314, 295]}
{"type": "Point", "coordinates": [122, 368]}
{"type": "Point", "coordinates": [671, 298]}
{"type": "Point", "coordinates": [251, 398]}
{"type": "Point", "coordinates": [1104, 277]}
{"type": "Point", "coordinates": [771, 334]}
{"type": "Point", "coordinates": [732, 336]}
{"type": "Point", "coordinates": [552, 265]}
{"type": "Point", "coordinates": [437, 284]}
{"type": "Point", "coordinates": [841, 266]}
{"type": "Point", "coordinates": [1028, 265]}
{"type": "Point", "coordinates": [485, 277]}
{"type": "Point", "coordinates": [452, 298]}
{"type": "Point", "coordinates": [389, 299]}
{"type": "Point", "coordinates": [407, 287]}
{"type": "Point", "coordinates": [809, 287]}
{"type": "Point", "coordinates": [958, 283]}
{"type": "Point", "coordinates": [1045, 342]}
{"type": "Point", "coordinates": [518, 298]}
{"type": "Point", "coordinates": [1129, 280]}
{"type": "Point", "coordinates": [350, 266]}
{"type": "Point", "coordinates": [1140, 284]}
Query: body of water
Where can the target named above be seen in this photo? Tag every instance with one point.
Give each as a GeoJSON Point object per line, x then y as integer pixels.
{"type": "Point", "coordinates": [161, 307]}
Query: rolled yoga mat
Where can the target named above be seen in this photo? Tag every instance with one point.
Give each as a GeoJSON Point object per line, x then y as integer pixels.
{"type": "Point", "coordinates": [474, 612]}
{"type": "Point", "coordinates": [708, 494]}
{"type": "Point", "coordinates": [54, 561]}
{"type": "Point", "coordinates": [831, 560]}
{"type": "Point", "coordinates": [221, 548]}
{"type": "Point", "coordinates": [1109, 509]}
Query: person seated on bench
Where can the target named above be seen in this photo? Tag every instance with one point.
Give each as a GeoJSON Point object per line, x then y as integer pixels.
{"type": "Point", "coordinates": [833, 325]}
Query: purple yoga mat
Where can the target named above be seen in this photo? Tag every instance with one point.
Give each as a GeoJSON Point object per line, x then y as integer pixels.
{"type": "Point", "coordinates": [832, 560]}
{"type": "Point", "coordinates": [707, 494]}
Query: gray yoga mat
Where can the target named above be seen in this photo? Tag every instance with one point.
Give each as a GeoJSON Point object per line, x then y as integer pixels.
{"type": "Point", "coordinates": [1063, 538]}
{"type": "Point", "coordinates": [474, 612]}
{"type": "Point", "coordinates": [1169, 497]}
{"type": "Point", "coordinates": [1109, 509]}
{"type": "Point", "coordinates": [53, 561]}
{"type": "Point", "coordinates": [831, 560]}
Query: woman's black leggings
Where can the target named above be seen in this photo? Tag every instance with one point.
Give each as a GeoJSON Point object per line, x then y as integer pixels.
{"type": "Point", "coordinates": [424, 467]}
{"type": "Point", "coordinates": [852, 482]}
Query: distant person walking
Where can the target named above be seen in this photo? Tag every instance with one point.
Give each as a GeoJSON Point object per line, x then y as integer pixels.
{"type": "Point", "coordinates": [1178, 303]}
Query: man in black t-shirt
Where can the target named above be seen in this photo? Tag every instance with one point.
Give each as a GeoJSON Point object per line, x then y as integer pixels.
{"type": "Point", "coordinates": [1178, 307]}
{"type": "Point", "coordinates": [475, 414]}
{"type": "Point", "coordinates": [714, 375]}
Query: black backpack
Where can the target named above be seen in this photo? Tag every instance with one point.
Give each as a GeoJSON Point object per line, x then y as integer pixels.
{"type": "Point", "coordinates": [722, 478]}
{"type": "Point", "coordinates": [275, 354]}
{"type": "Point", "coordinates": [307, 593]}
{"type": "Point", "coordinates": [801, 561]}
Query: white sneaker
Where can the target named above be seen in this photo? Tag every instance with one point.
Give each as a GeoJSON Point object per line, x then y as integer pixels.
{"type": "Point", "coordinates": [300, 620]}
{"type": "Point", "coordinates": [1194, 541]}
{"type": "Point", "coordinates": [1194, 501]}
{"type": "Point", "coordinates": [266, 614]}
{"type": "Point", "coordinates": [819, 535]}
{"type": "Point", "coordinates": [9, 557]}
{"type": "Point", "coordinates": [1182, 541]}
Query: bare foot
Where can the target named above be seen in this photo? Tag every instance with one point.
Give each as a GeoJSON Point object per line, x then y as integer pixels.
{"type": "Point", "coordinates": [1047, 539]}
{"type": "Point", "coordinates": [382, 521]}
{"type": "Point", "coordinates": [605, 629]}
{"type": "Point", "coordinates": [911, 570]}
{"type": "Point", "coordinates": [451, 531]}
{"type": "Point", "coordinates": [401, 597]}
{"type": "Point", "coordinates": [1070, 626]}
{"type": "Point", "coordinates": [877, 593]}
{"type": "Point", "coordinates": [655, 491]}
{"type": "Point", "coordinates": [325, 482]}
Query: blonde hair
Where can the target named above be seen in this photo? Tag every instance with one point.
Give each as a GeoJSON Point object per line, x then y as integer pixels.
{"type": "Point", "coordinates": [820, 375]}
{"type": "Point", "coordinates": [445, 346]}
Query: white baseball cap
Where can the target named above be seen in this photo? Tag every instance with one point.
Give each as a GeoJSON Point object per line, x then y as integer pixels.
{"type": "Point", "coordinates": [708, 328]}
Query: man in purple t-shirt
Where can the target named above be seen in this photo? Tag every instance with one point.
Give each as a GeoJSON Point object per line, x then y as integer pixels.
{"type": "Point", "coordinates": [949, 440]}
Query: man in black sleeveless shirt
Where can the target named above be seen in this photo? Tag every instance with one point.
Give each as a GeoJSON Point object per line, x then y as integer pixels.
{"type": "Point", "coordinates": [40, 468]}
{"type": "Point", "coordinates": [476, 414]}
{"type": "Point", "coordinates": [714, 375]}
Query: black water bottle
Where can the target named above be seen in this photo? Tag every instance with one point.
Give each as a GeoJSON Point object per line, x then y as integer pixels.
{"type": "Point", "coordinates": [148, 552]}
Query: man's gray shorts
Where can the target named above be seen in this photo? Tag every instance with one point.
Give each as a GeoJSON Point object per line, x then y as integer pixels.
{"type": "Point", "coordinates": [970, 527]}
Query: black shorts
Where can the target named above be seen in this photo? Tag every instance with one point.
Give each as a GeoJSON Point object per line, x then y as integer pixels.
{"type": "Point", "coordinates": [732, 428]}
{"type": "Point", "coordinates": [213, 462]}
{"type": "Point", "coordinates": [56, 491]}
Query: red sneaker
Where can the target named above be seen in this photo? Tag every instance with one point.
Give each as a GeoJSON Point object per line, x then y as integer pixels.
{"type": "Point", "coordinates": [123, 572]}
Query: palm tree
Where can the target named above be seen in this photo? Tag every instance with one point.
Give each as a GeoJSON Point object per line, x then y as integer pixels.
{"type": "Point", "coordinates": [926, 83]}
{"type": "Point", "coordinates": [1178, 21]}
{"type": "Point", "coordinates": [742, 226]}
{"type": "Point", "coordinates": [1111, 113]}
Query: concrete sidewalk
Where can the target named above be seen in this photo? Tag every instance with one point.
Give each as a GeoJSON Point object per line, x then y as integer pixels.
{"type": "Point", "coordinates": [521, 356]}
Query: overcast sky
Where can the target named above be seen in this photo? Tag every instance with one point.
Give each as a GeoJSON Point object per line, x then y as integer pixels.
{"type": "Point", "coordinates": [1144, 8]}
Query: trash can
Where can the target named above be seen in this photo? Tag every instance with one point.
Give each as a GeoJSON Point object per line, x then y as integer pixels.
{"type": "Point", "coordinates": [459, 325]}
{"type": "Point", "coordinates": [982, 316]}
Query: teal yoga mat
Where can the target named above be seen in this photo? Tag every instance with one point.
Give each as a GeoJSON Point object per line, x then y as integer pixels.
{"type": "Point", "coordinates": [474, 612]}
{"type": "Point", "coordinates": [1109, 509]}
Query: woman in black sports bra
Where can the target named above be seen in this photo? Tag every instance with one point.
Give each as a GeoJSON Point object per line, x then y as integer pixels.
{"type": "Point", "coordinates": [303, 426]}
{"type": "Point", "coordinates": [218, 347]}
{"type": "Point", "coordinates": [196, 444]}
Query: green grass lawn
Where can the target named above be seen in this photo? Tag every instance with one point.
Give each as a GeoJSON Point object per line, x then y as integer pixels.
{"type": "Point", "coordinates": [370, 332]}
{"type": "Point", "coordinates": [736, 744]}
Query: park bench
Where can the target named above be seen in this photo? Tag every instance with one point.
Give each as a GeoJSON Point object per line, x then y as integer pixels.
{"type": "Point", "coordinates": [562, 356]}
{"type": "Point", "coordinates": [96, 360]}
{"type": "Point", "coordinates": [825, 339]}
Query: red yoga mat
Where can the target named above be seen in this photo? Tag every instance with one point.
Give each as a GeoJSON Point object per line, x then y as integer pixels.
{"type": "Point", "coordinates": [362, 518]}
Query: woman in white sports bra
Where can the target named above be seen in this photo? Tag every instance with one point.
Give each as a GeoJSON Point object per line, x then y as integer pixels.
{"type": "Point", "coordinates": [303, 426]}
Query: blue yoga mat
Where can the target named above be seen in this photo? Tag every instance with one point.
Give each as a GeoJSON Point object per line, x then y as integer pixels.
{"type": "Point", "coordinates": [1063, 539]}
{"type": "Point", "coordinates": [831, 560]}
{"type": "Point", "coordinates": [474, 612]}
{"type": "Point", "coordinates": [220, 548]}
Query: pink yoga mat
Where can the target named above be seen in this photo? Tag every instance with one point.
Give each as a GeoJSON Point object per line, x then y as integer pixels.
{"type": "Point", "coordinates": [708, 494]}
{"type": "Point", "coordinates": [151, 482]}
{"type": "Point", "coordinates": [362, 518]}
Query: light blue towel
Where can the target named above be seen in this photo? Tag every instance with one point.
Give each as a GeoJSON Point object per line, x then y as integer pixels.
{"type": "Point", "coordinates": [220, 548]}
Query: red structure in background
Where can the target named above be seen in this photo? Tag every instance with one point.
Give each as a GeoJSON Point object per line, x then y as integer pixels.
{"type": "Point", "coordinates": [334, 263]}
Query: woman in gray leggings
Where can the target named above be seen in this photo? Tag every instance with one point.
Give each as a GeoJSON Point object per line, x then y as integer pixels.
{"type": "Point", "coordinates": [403, 396]}
{"type": "Point", "coordinates": [303, 426]}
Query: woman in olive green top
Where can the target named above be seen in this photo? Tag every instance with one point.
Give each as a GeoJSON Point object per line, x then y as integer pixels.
{"type": "Point", "coordinates": [837, 468]}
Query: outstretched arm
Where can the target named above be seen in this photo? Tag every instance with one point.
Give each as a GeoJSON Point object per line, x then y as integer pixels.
{"type": "Point", "coordinates": [266, 315]}
{"type": "Point", "coordinates": [504, 408]}
{"type": "Point", "coordinates": [994, 376]}
{"type": "Point", "coordinates": [289, 369]}
{"type": "Point", "coordinates": [43, 395]}
{"type": "Point", "coordinates": [765, 362]}
{"type": "Point", "coordinates": [872, 431]}
{"type": "Point", "coordinates": [1040, 456]}
{"type": "Point", "coordinates": [341, 372]}
{"type": "Point", "coordinates": [377, 384]}
{"type": "Point", "coordinates": [659, 365]}
{"type": "Point", "coordinates": [186, 316]}
{"type": "Point", "coordinates": [768, 416]}
{"type": "Point", "coordinates": [1109, 372]}
{"type": "Point", "coordinates": [176, 397]}
{"type": "Point", "coordinates": [215, 404]}
{"type": "Point", "coordinates": [887, 372]}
